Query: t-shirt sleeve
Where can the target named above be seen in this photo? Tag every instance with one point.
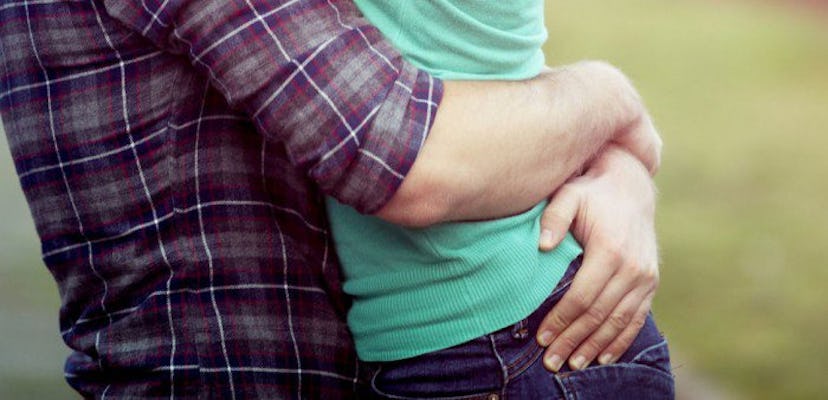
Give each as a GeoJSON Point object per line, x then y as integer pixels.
{"type": "Point", "coordinates": [313, 75]}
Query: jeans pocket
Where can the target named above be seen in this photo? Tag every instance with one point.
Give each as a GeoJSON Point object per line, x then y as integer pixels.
{"type": "Point", "coordinates": [649, 349]}
{"type": "Point", "coordinates": [465, 371]}
{"type": "Point", "coordinates": [643, 372]}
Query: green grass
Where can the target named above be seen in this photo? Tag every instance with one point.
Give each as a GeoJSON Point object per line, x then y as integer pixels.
{"type": "Point", "coordinates": [740, 94]}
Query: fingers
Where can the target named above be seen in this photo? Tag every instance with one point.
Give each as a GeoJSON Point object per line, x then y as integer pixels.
{"type": "Point", "coordinates": [597, 331]}
{"type": "Point", "coordinates": [598, 267]}
{"type": "Point", "coordinates": [602, 315]}
{"type": "Point", "coordinates": [643, 141]}
{"type": "Point", "coordinates": [619, 328]}
{"type": "Point", "coordinates": [558, 216]}
{"type": "Point", "coordinates": [625, 339]}
{"type": "Point", "coordinates": [585, 325]}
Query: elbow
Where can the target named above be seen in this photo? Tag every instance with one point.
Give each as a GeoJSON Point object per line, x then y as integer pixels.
{"type": "Point", "coordinates": [416, 204]}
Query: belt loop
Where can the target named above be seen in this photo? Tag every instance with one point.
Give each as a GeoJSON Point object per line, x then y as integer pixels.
{"type": "Point", "coordinates": [519, 330]}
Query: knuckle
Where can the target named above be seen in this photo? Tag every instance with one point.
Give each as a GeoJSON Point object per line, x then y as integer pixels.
{"type": "Point", "coordinates": [579, 302]}
{"type": "Point", "coordinates": [568, 343]}
{"type": "Point", "coordinates": [595, 316]}
{"type": "Point", "coordinates": [591, 347]}
{"type": "Point", "coordinates": [639, 320]}
{"type": "Point", "coordinates": [615, 252]}
{"type": "Point", "coordinates": [557, 322]}
{"type": "Point", "coordinates": [652, 276]}
{"type": "Point", "coordinates": [619, 320]}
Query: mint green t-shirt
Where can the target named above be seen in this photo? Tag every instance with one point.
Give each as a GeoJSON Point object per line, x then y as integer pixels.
{"type": "Point", "coordinates": [421, 290]}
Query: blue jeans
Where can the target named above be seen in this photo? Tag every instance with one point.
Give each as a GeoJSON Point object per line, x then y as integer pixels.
{"type": "Point", "coordinates": [507, 364]}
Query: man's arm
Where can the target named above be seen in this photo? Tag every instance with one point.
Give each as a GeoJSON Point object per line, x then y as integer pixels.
{"type": "Point", "coordinates": [354, 115]}
{"type": "Point", "coordinates": [498, 148]}
{"type": "Point", "coordinates": [313, 75]}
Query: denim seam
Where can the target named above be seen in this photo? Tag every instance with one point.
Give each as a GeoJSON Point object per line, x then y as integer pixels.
{"type": "Point", "coordinates": [568, 393]}
{"type": "Point", "coordinates": [391, 396]}
{"type": "Point", "coordinates": [661, 372]}
{"type": "Point", "coordinates": [532, 352]}
{"type": "Point", "coordinates": [528, 353]}
{"type": "Point", "coordinates": [535, 355]}
{"type": "Point", "coordinates": [648, 349]}
{"type": "Point", "coordinates": [504, 371]}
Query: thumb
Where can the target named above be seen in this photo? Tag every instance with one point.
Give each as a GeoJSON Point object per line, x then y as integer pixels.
{"type": "Point", "coordinates": [557, 217]}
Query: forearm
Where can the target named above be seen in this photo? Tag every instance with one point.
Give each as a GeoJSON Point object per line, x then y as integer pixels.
{"type": "Point", "coordinates": [497, 148]}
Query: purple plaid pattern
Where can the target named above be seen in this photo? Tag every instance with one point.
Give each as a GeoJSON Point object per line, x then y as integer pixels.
{"type": "Point", "coordinates": [174, 154]}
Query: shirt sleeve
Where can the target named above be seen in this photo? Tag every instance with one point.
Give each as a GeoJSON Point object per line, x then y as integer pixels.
{"type": "Point", "coordinates": [313, 75]}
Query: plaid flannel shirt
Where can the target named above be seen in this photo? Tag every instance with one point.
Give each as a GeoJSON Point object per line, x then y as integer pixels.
{"type": "Point", "coordinates": [174, 154]}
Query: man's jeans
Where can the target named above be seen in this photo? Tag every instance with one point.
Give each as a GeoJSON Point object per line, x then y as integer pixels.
{"type": "Point", "coordinates": [508, 364]}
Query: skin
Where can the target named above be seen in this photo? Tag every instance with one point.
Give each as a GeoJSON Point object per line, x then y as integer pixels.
{"type": "Point", "coordinates": [611, 211]}
{"type": "Point", "coordinates": [543, 131]}
{"type": "Point", "coordinates": [546, 132]}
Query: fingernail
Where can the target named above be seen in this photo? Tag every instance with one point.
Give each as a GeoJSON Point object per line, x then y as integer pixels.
{"type": "Point", "coordinates": [546, 239]}
{"type": "Point", "coordinates": [579, 363]}
{"type": "Point", "coordinates": [554, 363]}
{"type": "Point", "coordinates": [545, 339]}
{"type": "Point", "coordinates": [605, 359]}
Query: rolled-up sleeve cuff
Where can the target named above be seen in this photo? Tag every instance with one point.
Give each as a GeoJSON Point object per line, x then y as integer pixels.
{"type": "Point", "coordinates": [371, 167]}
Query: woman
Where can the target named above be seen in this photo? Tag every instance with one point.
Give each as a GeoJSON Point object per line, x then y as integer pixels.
{"type": "Point", "coordinates": [450, 311]}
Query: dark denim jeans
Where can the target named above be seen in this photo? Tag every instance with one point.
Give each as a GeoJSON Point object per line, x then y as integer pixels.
{"type": "Point", "coordinates": [507, 364]}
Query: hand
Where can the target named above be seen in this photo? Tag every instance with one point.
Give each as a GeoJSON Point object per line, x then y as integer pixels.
{"type": "Point", "coordinates": [642, 140]}
{"type": "Point", "coordinates": [632, 127]}
{"type": "Point", "coordinates": [611, 209]}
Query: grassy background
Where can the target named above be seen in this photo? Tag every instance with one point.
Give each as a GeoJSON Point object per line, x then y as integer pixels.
{"type": "Point", "coordinates": [740, 92]}
{"type": "Point", "coordinates": [31, 351]}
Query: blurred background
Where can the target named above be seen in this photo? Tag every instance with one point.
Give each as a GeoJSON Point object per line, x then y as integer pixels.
{"type": "Point", "coordinates": [739, 90]}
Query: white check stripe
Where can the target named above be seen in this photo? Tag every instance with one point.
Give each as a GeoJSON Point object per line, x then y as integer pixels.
{"type": "Point", "coordinates": [365, 38]}
{"type": "Point", "coordinates": [260, 19]}
{"type": "Point", "coordinates": [214, 78]}
{"type": "Point", "coordinates": [414, 99]}
{"type": "Point", "coordinates": [325, 255]}
{"type": "Point", "coordinates": [282, 371]}
{"type": "Point", "coordinates": [154, 16]}
{"type": "Point", "coordinates": [80, 74]}
{"type": "Point", "coordinates": [290, 77]}
{"type": "Point", "coordinates": [342, 143]}
{"type": "Point", "coordinates": [289, 310]}
{"type": "Point", "coordinates": [35, 2]}
{"type": "Point", "coordinates": [234, 32]}
{"type": "Point", "coordinates": [260, 370]}
{"type": "Point", "coordinates": [127, 232]}
{"type": "Point", "coordinates": [207, 249]}
{"type": "Point", "coordinates": [301, 69]}
{"type": "Point", "coordinates": [95, 157]}
{"type": "Point", "coordinates": [428, 111]}
{"type": "Point", "coordinates": [162, 249]}
{"type": "Point", "coordinates": [330, 102]}
{"type": "Point", "coordinates": [66, 180]}
{"type": "Point", "coordinates": [248, 286]}
{"type": "Point", "coordinates": [121, 149]}
{"type": "Point", "coordinates": [382, 163]}
{"type": "Point", "coordinates": [250, 203]}
{"type": "Point", "coordinates": [184, 211]}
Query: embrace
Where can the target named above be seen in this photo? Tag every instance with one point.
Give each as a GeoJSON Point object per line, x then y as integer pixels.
{"type": "Point", "coordinates": [334, 199]}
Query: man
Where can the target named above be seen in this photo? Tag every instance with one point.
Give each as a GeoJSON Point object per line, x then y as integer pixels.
{"type": "Point", "coordinates": [174, 154]}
